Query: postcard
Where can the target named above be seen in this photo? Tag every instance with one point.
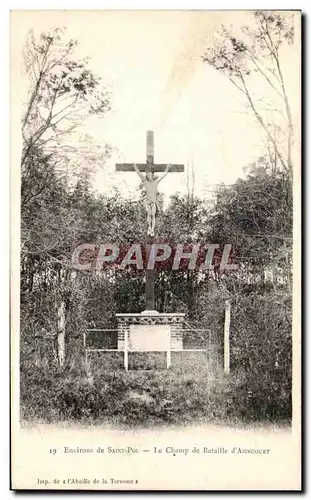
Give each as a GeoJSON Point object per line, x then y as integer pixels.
{"type": "Point", "coordinates": [155, 255]}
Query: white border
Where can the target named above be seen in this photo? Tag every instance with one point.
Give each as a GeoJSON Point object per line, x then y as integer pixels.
{"type": "Point", "coordinates": [4, 184]}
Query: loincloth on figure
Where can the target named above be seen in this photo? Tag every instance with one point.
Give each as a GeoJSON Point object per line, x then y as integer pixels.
{"type": "Point", "coordinates": [150, 204]}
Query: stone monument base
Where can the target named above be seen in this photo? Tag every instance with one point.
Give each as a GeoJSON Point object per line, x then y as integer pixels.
{"type": "Point", "coordinates": [150, 331]}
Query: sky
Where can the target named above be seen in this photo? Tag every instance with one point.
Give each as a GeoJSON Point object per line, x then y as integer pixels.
{"type": "Point", "coordinates": [152, 63]}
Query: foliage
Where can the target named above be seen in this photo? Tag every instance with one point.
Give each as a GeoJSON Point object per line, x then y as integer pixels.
{"type": "Point", "coordinates": [63, 93]}
{"type": "Point", "coordinates": [180, 396]}
{"type": "Point", "coordinates": [59, 213]}
{"type": "Point", "coordinates": [254, 53]}
{"type": "Point", "coordinates": [261, 320]}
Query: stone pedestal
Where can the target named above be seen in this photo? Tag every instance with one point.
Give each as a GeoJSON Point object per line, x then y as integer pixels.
{"type": "Point", "coordinates": [144, 332]}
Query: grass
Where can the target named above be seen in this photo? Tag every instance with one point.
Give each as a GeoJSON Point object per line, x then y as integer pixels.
{"type": "Point", "coordinates": [191, 392]}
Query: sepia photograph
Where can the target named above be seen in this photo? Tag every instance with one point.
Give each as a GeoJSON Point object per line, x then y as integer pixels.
{"type": "Point", "coordinates": [155, 167]}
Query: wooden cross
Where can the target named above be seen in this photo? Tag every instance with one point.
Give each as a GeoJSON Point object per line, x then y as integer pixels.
{"type": "Point", "coordinates": [151, 167]}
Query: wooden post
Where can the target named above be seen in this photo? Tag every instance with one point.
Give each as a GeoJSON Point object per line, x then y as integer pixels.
{"type": "Point", "coordinates": [168, 352]}
{"type": "Point", "coordinates": [209, 349]}
{"type": "Point", "coordinates": [85, 350]}
{"type": "Point", "coordinates": [150, 279]}
{"type": "Point", "coordinates": [150, 302]}
{"type": "Point", "coordinates": [149, 272]}
{"type": "Point", "coordinates": [150, 150]}
{"type": "Point", "coordinates": [168, 359]}
{"type": "Point", "coordinates": [126, 365]}
{"type": "Point", "coordinates": [227, 337]}
{"type": "Point", "coordinates": [61, 321]}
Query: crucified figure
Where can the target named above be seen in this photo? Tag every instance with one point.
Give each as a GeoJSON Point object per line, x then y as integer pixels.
{"type": "Point", "coordinates": [151, 185]}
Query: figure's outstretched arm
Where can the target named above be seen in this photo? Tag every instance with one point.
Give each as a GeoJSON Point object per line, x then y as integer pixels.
{"type": "Point", "coordinates": [165, 173]}
{"type": "Point", "coordinates": [138, 172]}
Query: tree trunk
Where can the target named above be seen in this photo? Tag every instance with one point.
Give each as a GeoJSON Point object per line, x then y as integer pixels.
{"type": "Point", "coordinates": [61, 333]}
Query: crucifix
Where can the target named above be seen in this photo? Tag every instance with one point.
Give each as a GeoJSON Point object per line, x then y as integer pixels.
{"type": "Point", "coordinates": [150, 182]}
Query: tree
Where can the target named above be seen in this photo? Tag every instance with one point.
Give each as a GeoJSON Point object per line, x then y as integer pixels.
{"type": "Point", "coordinates": [63, 93]}
{"type": "Point", "coordinates": [255, 53]}
{"type": "Point", "coordinates": [255, 216]}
